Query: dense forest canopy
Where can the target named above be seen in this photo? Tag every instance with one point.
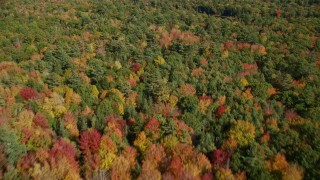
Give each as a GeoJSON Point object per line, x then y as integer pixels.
{"type": "Point", "coordinates": [159, 89]}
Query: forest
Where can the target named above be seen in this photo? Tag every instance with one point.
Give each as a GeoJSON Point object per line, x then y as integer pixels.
{"type": "Point", "coordinates": [160, 89]}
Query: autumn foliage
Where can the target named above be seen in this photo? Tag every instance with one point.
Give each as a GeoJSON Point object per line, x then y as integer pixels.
{"type": "Point", "coordinates": [155, 89]}
{"type": "Point", "coordinates": [28, 93]}
{"type": "Point", "coordinates": [89, 142]}
{"type": "Point", "coordinates": [220, 111]}
{"type": "Point", "coordinates": [220, 159]}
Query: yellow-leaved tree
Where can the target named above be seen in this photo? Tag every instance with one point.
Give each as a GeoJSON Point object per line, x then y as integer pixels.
{"type": "Point", "coordinates": [107, 152]}
{"type": "Point", "coordinates": [243, 132]}
{"type": "Point", "coordinates": [54, 105]}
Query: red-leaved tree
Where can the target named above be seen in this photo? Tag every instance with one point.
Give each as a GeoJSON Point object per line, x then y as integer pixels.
{"type": "Point", "coordinates": [135, 67]}
{"type": "Point", "coordinates": [28, 93]}
{"type": "Point", "coordinates": [220, 158]}
{"type": "Point", "coordinates": [63, 148]}
{"type": "Point", "coordinates": [41, 120]}
{"type": "Point", "coordinates": [89, 142]}
{"type": "Point", "coordinates": [220, 111]}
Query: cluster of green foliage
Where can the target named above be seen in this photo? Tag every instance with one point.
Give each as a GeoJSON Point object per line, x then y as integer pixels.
{"type": "Point", "coordinates": [150, 89]}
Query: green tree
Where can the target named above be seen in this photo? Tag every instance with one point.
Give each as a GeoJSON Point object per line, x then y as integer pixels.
{"type": "Point", "coordinates": [13, 148]}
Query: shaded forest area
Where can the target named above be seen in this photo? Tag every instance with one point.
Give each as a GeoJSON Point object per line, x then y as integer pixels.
{"type": "Point", "coordinates": [159, 89]}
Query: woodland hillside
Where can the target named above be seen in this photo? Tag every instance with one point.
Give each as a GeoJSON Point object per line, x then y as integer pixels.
{"type": "Point", "coordinates": [160, 89]}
